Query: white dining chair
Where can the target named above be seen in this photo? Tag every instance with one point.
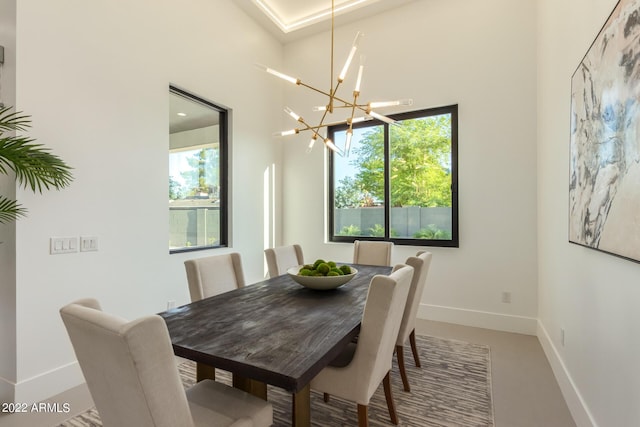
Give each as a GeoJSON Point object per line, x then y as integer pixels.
{"type": "Point", "coordinates": [420, 264]}
{"type": "Point", "coordinates": [372, 252]}
{"type": "Point", "coordinates": [209, 276]}
{"type": "Point", "coordinates": [214, 275]}
{"type": "Point", "coordinates": [358, 371]}
{"type": "Point", "coordinates": [133, 379]}
{"type": "Point", "coordinates": [281, 258]}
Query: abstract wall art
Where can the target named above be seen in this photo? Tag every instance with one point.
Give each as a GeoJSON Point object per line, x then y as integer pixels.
{"type": "Point", "coordinates": [604, 187]}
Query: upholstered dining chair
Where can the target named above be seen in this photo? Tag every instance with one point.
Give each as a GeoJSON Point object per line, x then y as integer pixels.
{"type": "Point", "coordinates": [209, 276]}
{"type": "Point", "coordinates": [214, 275]}
{"type": "Point", "coordinates": [358, 371]}
{"type": "Point", "coordinates": [372, 252]}
{"type": "Point", "coordinates": [281, 258]}
{"type": "Point", "coordinates": [132, 375]}
{"type": "Point", "coordinates": [420, 264]}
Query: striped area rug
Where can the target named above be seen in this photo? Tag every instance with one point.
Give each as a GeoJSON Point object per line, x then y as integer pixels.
{"type": "Point", "coordinates": [452, 388]}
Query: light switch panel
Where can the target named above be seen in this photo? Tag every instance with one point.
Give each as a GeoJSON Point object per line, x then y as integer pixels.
{"type": "Point", "coordinates": [63, 245]}
{"type": "Point", "coordinates": [88, 243]}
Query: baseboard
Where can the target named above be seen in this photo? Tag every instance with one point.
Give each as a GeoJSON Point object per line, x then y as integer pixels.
{"type": "Point", "coordinates": [577, 407]}
{"type": "Point", "coordinates": [47, 384]}
{"type": "Point", "coordinates": [479, 319]}
{"type": "Point", "coordinates": [6, 390]}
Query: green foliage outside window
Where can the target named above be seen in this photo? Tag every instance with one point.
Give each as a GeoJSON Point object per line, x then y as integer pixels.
{"type": "Point", "coordinates": [350, 230]}
{"type": "Point", "coordinates": [202, 176]}
{"type": "Point", "coordinates": [432, 232]}
{"type": "Point", "coordinates": [420, 166]}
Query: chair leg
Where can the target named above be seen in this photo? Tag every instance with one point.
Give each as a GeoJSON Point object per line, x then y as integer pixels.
{"type": "Point", "coordinates": [326, 397]}
{"type": "Point", "coordinates": [387, 393]}
{"type": "Point", "coordinates": [403, 372]}
{"type": "Point", "coordinates": [363, 416]}
{"type": "Point", "coordinates": [414, 348]}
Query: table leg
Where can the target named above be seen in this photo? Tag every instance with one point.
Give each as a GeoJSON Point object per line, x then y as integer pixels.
{"type": "Point", "coordinates": [301, 411]}
{"type": "Point", "coordinates": [205, 372]}
{"type": "Point", "coordinates": [256, 388]}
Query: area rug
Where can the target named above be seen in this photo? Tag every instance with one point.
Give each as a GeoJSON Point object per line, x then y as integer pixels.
{"type": "Point", "coordinates": [452, 388]}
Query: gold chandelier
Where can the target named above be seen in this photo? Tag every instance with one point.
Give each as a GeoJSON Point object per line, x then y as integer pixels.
{"type": "Point", "coordinates": [335, 102]}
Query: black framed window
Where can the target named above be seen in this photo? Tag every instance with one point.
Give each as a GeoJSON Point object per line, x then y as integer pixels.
{"type": "Point", "coordinates": [398, 182]}
{"type": "Point", "coordinates": [198, 190]}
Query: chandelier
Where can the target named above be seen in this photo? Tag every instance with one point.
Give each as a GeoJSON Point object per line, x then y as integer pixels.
{"type": "Point", "coordinates": [355, 111]}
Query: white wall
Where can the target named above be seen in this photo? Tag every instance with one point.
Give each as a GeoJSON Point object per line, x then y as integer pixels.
{"type": "Point", "coordinates": [95, 78]}
{"type": "Point", "coordinates": [480, 55]}
{"type": "Point", "coordinates": [592, 296]}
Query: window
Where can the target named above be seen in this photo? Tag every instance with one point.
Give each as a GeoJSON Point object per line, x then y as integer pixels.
{"type": "Point", "coordinates": [398, 182]}
{"type": "Point", "coordinates": [197, 172]}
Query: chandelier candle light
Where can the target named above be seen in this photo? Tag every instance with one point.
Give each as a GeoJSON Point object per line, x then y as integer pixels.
{"type": "Point", "coordinates": [336, 102]}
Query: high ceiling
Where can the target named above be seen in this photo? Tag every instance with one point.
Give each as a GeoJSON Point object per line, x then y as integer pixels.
{"type": "Point", "coordinates": [290, 20]}
{"type": "Point", "coordinates": [287, 20]}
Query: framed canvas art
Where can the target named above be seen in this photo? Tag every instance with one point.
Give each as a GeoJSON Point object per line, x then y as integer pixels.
{"type": "Point", "coordinates": [604, 187]}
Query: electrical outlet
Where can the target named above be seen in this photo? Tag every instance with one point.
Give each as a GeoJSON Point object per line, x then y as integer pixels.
{"type": "Point", "coordinates": [171, 304]}
{"type": "Point", "coordinates": [506, 297]}
{"type": "Point", "coordinates": [562, 336]}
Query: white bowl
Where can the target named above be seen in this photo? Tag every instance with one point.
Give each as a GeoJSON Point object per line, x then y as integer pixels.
{"type": "Point", "coordinates": [320, 282]}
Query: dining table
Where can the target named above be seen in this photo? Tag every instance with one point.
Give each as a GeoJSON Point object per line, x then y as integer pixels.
{"type": "Point", "coordinates": [274, 332]}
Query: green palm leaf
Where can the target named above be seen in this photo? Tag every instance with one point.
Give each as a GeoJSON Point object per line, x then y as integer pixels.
{"type": "Point", "coordinates": [35, 167]}
{"type": "Point", "coordinates": [11, 121]}
{"type": "Point", "coordinates": [10, 210]}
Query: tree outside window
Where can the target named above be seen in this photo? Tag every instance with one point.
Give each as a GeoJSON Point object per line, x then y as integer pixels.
{"type": "Point", "coordinates": [398, 182]}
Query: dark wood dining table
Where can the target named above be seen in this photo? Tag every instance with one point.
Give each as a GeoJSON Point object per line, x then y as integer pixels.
{"type": "Point", "coordinates": [272, 332]}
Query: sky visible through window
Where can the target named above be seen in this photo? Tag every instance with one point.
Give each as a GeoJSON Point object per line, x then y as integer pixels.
{"type": "Point", "coordinates": [178, 165]}
{"type": "Point", "coordinates": [344, 165]}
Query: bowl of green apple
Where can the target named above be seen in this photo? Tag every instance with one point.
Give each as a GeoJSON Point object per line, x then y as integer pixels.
{"type": "Point", "coordinates": [322, 275]}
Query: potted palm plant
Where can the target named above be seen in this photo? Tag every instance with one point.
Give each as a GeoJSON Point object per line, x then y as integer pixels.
{"type": "Point", "coordinates": [35, 167]}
